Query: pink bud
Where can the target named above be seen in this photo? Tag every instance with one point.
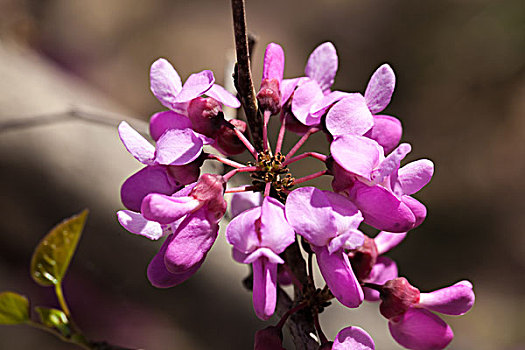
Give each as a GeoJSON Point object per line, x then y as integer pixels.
{"type": "Point", "coordinates": [227, 141]}
{"type": "Point", "coordinates": [269, 338]}
{"type": "Point", "coordinates": [397, 297]}
{"type": "Point", "coordinates": [206, 116]}
{"type": "Point", "coordinates": [269, 96]}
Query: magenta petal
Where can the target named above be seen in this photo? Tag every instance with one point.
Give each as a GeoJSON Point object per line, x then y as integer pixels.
{"type": "Point", "coordinates": [158, 274]}
{"type": "Point", "coordinates": [322, 65]}
{"type": "Point", "coordinates": [166, 209]}
{"type": "Point", "coordinates": [385, 269]}
{"type": "Point", "coordinates": [264, 288]}
{"type": "Point", "coordinates": [276, 233]}
{"type": "Point", "coordinates": [243, 201]}
{"type": "Point", "coordinates": [266, 253]}
{"type": "Point", "coordinates": [191, 242]}
{"type": "Point", "coordinates": [349, 116]}
{"type": "Point", "coordinates": [137, 224]}
{"type": "Point", "coordinates": [137, 145]}
{"type": "Point", "coordinates": [241, 231]}
{"type": "Point", "coordinates": [196, 85]}
{"type": "Point", "coordinates": [380, 88]}
{"type": "Point", "coordinates": [356, 154]}
{"type": "Point", "coordinates": [381, 208]}
{"type": "Point", "coordinates": [273, 67]}
{"type": "Point", "coordinates": [223, 96]}
{"type": "Point", "coordinates": [304, 97]}
{"type": "Point", "coordinates": [390, 163]}
{"type": "Point", "coordinates": [347, 216]}
{"type": "Point", "coordinates": [165, 82]}
{"type": "Point", "coordinates": [353, 338]}
{"type": "Point", "coordinates": [320, 107]}
{"type": "Point", "coordinates": [419, 329]}
{"type": "Point", "coordinates": [151, 179]}
{"type": "Point", "coordinates": [309, 212]}
{"type": "Point", "coordinates": [162, 121]}
{"type": "Point", "coordinates": [385, 241]}
{"type": "Point", "coordinates": [339, 277]}
{"type": "Point", "coordinates": [415, 175]}
{"type": "Point", "coordinates": [386, 131]}
{"type": "Point", "coordinates": [454, 300]}
{"type": "Point", "coordinates": [288, 87]}
{"type": "Point", "coordinates": [418, 209]}
{"type": "Point", "coordinates": [178, 147]}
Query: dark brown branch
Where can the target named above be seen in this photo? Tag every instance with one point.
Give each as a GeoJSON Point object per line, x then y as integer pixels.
{"type": "Point", "coordinates": [243, 75]}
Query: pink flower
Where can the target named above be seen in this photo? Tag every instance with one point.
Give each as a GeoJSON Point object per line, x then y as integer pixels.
{"type": "Point", "coordinates": [269, 96]}
{"type": "Point", "coordinates": [412, 324]}
{"type": "Point", "coordinates": [258, 236]}
{"type": "Point", "coordinates": [329, 222]}
{"type": "Point", "coordinates": [353, 338]}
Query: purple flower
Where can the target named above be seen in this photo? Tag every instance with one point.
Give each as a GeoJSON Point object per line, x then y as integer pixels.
{"type": "Point", "coordinates": [258, 236]}
{"type": "Point", "coordinates": [412, 324]}
{"type": "Point", "coordinates": [376, 184]}
{"type": "Point", "coordinates": [353, 338]}
{"type": "Point", "coordinates": [167, 87]}
{"type": "Point", "coordinates": [329, 222]}
{"type": "Point", "coordinates": [387, 130]}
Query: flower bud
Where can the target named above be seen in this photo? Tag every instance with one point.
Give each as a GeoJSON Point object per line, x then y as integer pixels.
{"type": "Point", "coordinates": [206, 116]}
{"type": "Point", "coordinates": [397, 297]}
{"type": "Point", "coordinates": [269, 96]}
{"type": "Point", "coordinates": [269, 338]}
{"type": "Point", "coordinates": [227, 141]}
{"type": "Point", "coordinates": [364, 258]}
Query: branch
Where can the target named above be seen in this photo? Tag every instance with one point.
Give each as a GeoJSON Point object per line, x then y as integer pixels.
{"type": "Point", "coordinates": [243, 75]}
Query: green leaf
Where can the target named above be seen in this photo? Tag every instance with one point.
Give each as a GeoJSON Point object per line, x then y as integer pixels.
{"type": "Point", "coordinates": [14, 308]}
{"type": "Point", "coordinates": [54, 318]}
{"type": "Point", "coordinates": [52, 255]}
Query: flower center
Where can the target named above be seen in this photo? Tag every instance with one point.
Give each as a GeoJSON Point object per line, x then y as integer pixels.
{"type": "Point", "coordinates": [270, 169]}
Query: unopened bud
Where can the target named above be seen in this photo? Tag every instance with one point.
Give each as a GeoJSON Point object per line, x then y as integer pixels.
{"type": "Point", "coordinates": [206, 116]}
{"type": "Point", "coordinates": [269, 338]}
{"type": "Point", "coordinates": [269, 96]}
{"type": "Point", "coordinates": [227, 141]}
{"type": "Point", "coordinates": [364, 258]}
{"type": "Point", "coordinates": [397, 297]}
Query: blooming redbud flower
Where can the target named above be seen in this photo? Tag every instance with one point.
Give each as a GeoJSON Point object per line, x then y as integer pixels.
{"type": "Point", "coordinates": [269, 95]}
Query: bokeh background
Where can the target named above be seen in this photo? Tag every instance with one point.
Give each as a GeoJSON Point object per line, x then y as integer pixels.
{"type": "Point", "coordinates": [460, 93]}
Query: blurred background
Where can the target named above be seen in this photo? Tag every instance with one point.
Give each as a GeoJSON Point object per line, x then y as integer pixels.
{"type": "Point", "coordinates": [460, 94]}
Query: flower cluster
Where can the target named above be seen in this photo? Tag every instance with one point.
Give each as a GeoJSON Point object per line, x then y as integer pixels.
{"type": "Point", "coordinates": [169, 197]}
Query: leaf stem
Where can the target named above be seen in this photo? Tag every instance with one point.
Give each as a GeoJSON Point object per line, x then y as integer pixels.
{"type": "Point", "coordinates": [62, 300]}
{"type": "Point", "coordinates": [301, 141]}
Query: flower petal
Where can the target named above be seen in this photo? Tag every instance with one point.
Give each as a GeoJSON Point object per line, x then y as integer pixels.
{"type": "Point", "coordinates": [454, 300]}
{"type": "Point", "coordinates": [385, 241]}
{"type": "Point", "coordinates": [158, 274]}
{"type": "Point", "coordinates": [137, 145]}
{"type": "Point", "coordinates": [356, 154]}
{"type": "Point", "coordinates": [241, 231]}
{"type": "Point", "coordinates": [166, 209]}
{"type": "Point", "coordinates": [276, 233]}
{"type": "Point", "coordinates": [165, 82]}
{"type": "Point", "coordinates": [347, 216]}
{"type": "Point", "coordinates": [390, 164]}
{"type": "Point", "coordinates": [266, 253]}
{"type": "Point", "coordinates": [415, 175]}
{"type": "Point", "coordinates": [353, 338]}
{"type": "Point", "coordinates": [322, 65]}
{"type": "Point", "coordinates": [192, 240]}
{"type": "Point", "coordinates": [264, 288]}
{"type": "Point", "coordinates": [151, 179]}
{"type": "Point", "coordinates": [309, 212]}
{"type": "Point", "coordinates": [288, 87]}
{"type": "Point", "coordinates": [196, 85]}
{"type": "Point", "coordinates": [243, 201]}
{"type": "Point", "coordinates": [162, 121]}
{"type": "Point", "coordinates": [273, 66]}
{"type": "Point", "coordinates": [380, 88]}
{"type": "Point", "coordinates": [137, 224]}
{"type": "Point", "coordinates": [339, 277]}
{"type": "Point", "coordinates": [419, 329]}
{"type": "Point", "coordinates": [418, 209]}
{"type": "Point", "coordinates": [223, 96]}
{"type": "Point", "coordinates": [386, 131]}
{"type": "Point", "coordinates": [381, 209]}
{"type": "Point", "coordinates": [320, 107]}
{"type": "Point", "coordinates": [385, 269]}
{"type": "Point", "coordinates": [349, 116]}
{"type": "Point", "coordinates": [178, 147]}
{"type": "Point", "coordinates": [304, 97]}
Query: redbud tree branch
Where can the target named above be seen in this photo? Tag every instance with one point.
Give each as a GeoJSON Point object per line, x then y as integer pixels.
{"type": "Point", "coordinates": [243, 75]}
